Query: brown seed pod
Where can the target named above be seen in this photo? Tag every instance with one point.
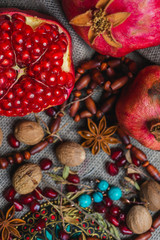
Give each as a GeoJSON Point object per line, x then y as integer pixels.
{"type": "Point", "coordinates": [28, 132]}
{"type": "Point", "coordinates": [150, 193]}
{"type": "Point", "coordinates": [26, 178]}
{"type": "Point", "coordinates": [1, 136]}
{"type": "Point", "coordinates": [70, 153]}
{"type": "Point", "coordinates": [139, 219]}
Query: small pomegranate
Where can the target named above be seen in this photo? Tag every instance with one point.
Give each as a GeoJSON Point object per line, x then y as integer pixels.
{"type": "Point", "coordinates": [35, 206]}
{"type": "Point", "coordinates": [112, 169]}
{"type": "Point", "coordinates": [9, 193]}
{"type": "Point", "coordinates": [139, 116]}
{"type": "Point", "coordinates": [36, 70]}
{"type": "Point", "coordinates": [26, 199]}
{"type": "Point", "coordinates": [74, 178]}
{"type": "Point", "coordinates": [50, 193]}
{"type": "Point", "coordinates": [13, 142]}
{"type": "Point", "coordinates": [45, 164]}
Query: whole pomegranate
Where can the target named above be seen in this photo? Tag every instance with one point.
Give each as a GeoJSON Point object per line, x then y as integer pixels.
{"type": "Point", "coordinates": [115, 27]}
{"type": "Point", "coordinates": [138, 108]}
{"type": "Point", "coordinates": [36, 69]}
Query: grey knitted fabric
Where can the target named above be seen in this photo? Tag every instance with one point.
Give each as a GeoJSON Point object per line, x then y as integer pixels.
{"type": "Point", "coordinates": [93, 167]}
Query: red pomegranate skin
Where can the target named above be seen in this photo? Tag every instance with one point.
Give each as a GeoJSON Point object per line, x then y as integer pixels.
{"type": "Point", "coordinates": [139, 105]}
{"type": "Point", "coordinates": [140, 30]}
{"type": "Point", "coordinates": [37, 88]}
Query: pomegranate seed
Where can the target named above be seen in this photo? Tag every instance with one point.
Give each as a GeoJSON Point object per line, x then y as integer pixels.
{"type": "Point", "coordinates": [50, 193]}
{"type": "Point", "coordinates": [13, 142]}
{"type": "Point", "coordinates": [116, 153]}
{"type": "Point", "coordinates": [36, 194]}
{"type": "Point", "coordinates": [112, 169]}
{"type": "Point", "coordinates": [9, 193]}
{"type": "Point", "coordinates": [107, 201]}
{"type": "Point", "coordinates": [26, 199]}
{"type": "Point", "coordinates": [45, 164]}
{"type": "Point", "coordinates": [18, 205]}
{"type": "Point", "coordinates": [63, 235]}
{"type": "Point", "coordinates": [135, 176]}
{"type": "Point", "coordinates": [114, 210]}
{"type": "Point", "coordinates": [121, 161]}
{"type": "Point", "coordinates": [71, 188]}
{"type": "Point", "coordinates": [112, 219]}
{"type": "Point", "coordinates": [122, 217]}
{"type": "Point", "coordinates": [125, 230]}
{"type": "Point", "coordinates": [35, 206]}
{"type": "Point", "coordinates": [100, 207]}
{"type": "Point", "coordinates": [40, 225]}
{"type": "Point", "coordinates": [51, 111]}
{"type": "Point", "coordinates": [74, 178]}
{"type": "Point", "coordinates": [135, 161]}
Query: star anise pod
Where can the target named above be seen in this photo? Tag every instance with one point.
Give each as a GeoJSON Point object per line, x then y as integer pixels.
{"type": "Point", "coordinates": [8, 224]}
{"type": "Point", "coordinates": [99, 137]}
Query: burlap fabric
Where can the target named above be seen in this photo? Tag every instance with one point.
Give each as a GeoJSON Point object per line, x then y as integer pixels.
{"type": "Point", "coordinates": [93, 167]}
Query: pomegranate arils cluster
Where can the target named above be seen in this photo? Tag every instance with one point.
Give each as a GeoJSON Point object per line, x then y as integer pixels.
{"type": "Point", "coordinates": [32, 75]}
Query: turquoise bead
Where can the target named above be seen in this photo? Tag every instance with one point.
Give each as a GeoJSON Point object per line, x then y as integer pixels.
{"type": "Point", "coordinates": [115, 193]}
{"type": "Point", "coordinates": [97, 197]}
{"type": "Point", "coordinates": [84, 200]}
{"type": "Point", "coordinates": [103, 185]}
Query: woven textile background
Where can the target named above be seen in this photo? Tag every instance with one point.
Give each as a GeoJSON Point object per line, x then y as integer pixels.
{"type": "Point", "coordinates": [93, 167]}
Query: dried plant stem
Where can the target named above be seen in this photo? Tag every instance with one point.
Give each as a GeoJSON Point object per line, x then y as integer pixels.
{"type": "Point", "coordinates": [133, 167]}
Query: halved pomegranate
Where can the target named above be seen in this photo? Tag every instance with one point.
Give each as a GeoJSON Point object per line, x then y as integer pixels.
{"type": "Point", "coordinates": [36, 69]}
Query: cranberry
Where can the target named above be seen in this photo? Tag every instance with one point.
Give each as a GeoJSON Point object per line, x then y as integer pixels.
{"type": "Point", "coordinates": [116, 153]}
{"type": "Point", "coordinates": [125, 230]}
{"type": "Point", "coordinates": [74, 178]}
{"type": "Point", "coordinates": [36, 194]}
{"type": "Point", "coordinates": [107, 201]}
{"type": "Point", "coordinates": [122, 217]}
{"type": "Point", "coordinates": [13, 142]}
{"type": "Point", "coordinates": [40, 225]}
{"type": "Point", "coordinates": [100, 207]}
{"type": "Point", "coordinates": [114, 210]}
{"type": "Point", "coordinates": [63, 235]}
{"type": "Point", "coordinates": [135, 176]}
{"type": "Point", "coordinates": [18, 205]}
{"type": "Point", "coordinates": [136, 161]}
{"type": "Point", "coordinates": [45, 164]}
{"type": "Point", "coordinates": [112, 219]}
{"type": "Point", "coordinates": [26, 199]}
{"type": "Point", "coordinates": [9, 193]}
{"type": "Point", "coordinates": [121, 161]}
{"type": "Point", "coordinates": [51, 111]}
{"type": "Point", "coordinates": [112, 169]}
{"type": "Point", "coordinates": [50, 193]}
{"type": "Point", "coordinates": [71, 188]}
{"type": "Point", "coordinates": [34, 206]}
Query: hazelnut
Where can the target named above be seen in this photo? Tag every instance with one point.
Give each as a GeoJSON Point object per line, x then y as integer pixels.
{"type": "Point", "coordinates": [139, 219]}
{"type": "Point", "coordinates": [26, 178]}
{"type": "Point", "coordinates": [28, 132]}
{"type": "Point", "coordinates": [1, 137]}
{"type": "Point", "coordinates": [70, 153]}
{"type": "Point", "coordinates": [150, 193]}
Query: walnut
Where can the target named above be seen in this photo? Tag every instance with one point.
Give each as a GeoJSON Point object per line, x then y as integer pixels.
{"type": "Point", "coordinates": [70, 153]}
{"type": "Point", "coordinates": [139, 219]}
{"type": "Point", "coordinates": [1, 137]}
{"type": "Point", "coordinates": [150, 193]}
{"type": "Point", "coordinates": [28, 132]}
{"type": "Point", "coordinates": [26, 178]}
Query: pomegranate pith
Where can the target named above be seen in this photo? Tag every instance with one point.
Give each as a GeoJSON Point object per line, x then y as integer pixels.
{"type": "Point", "coordinates": [36, 69]}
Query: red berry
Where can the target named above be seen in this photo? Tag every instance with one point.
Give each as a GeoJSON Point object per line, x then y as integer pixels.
{"type": "Point", "coordinates": [45, 164]}
{"type": "Point", "coordinates": [114, 210]}
{"type": "Point", "coordinates": [112, 219]}
{"type": "Point", "coordinates": [116, 153]}
{"type": "Point", "coordinates": [121, 161]}
{"type": "Point", "coordinates": [112, 169]}
{"type": "Point", "coordinates": [40, 225]}
{"type": "Point", "coordinates": [107, 201]}
{"type": "Point", "coordinates": [100, 207]}
{"type": "Point", "coordinates": [63, 235]}
{"type": "Point", "coordinates": [13, 142]}
{"type": "Point", "coordinates": [136, 161]}
{"type": "Point", "coordinates": [125, 230]}
{"type": "Point", "coordinates": [122, 217]}
{"type": "Point", "coordinates": [34, 206]}
{"type": "Point", "coordinates": [71, 188]}
{"type": "Point", "coordinates": [51, 111]}
{"type": "Point", "coordinates": [26, 199]}
{"type": "Point", "coordinates": [36, 194]}
{"type": "Point", "coordinates": [9, 193]}
{"type": "Point", "coordinates": [135, 176]}
{"type": "Point", "coordinates": [50, 193]}
{"type": "Point", "coordinates": [74, 178]}
{"type": "Point", "coordinates": [18, 205]}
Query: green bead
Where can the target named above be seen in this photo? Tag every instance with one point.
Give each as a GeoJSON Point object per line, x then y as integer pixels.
{"type": "Point", "coordinates": [97, 197]}
{"type": "Point", "coordinates": [103, 185]}
{"type": "Point", "coordinates": [115, 193]}
{"type": "Point", "coordinates": [84, 200]}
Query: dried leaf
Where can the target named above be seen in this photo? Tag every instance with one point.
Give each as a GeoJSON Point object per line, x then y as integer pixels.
{"type": "Point", "coordinates": [137, 186]}
{"type": "Point", "coordinates": [128, 156]}
{"type": "Point", "coordinates": [56, 169]}
{"type": "Point", "coordinates": [131, 170]}
{"type": "Point", "coordinates": [55, 177]}
{"type": "Point", "coordinates": [65, 172]}
{"type": "Point", "coordinates": [72, 172]}
{"type": "Point", "coordinates": [129, 180]}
